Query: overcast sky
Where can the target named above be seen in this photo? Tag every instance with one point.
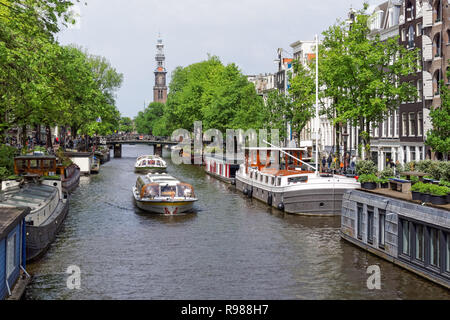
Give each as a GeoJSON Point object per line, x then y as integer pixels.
{"type": "Point", "coordinates": [246, 32]}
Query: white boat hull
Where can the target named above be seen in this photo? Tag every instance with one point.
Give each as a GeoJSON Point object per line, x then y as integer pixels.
{"type": "Point", "coordinates": [322, 199]}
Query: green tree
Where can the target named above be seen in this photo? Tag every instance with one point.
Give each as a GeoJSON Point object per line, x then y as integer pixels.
{"type": "Point", "coordinates": [438, 138]}
{"type": "Point", "coordinates": [362, 75]}
{"type": "Point", "coordinates": [126, 125]}
{"type": "Point", "coordinates": [151, 120]}
{"type": "Point", "coordinates": [220, 96]}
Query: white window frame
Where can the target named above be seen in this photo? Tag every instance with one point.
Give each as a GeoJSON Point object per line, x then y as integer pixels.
{"type": "Point", "coordinates": [11, 246]}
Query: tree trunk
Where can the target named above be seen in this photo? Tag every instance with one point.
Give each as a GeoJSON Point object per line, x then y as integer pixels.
{"type": "Point", "coordinates": [24, 136]}
{"type": "Point", "coordinates": [49, 143]}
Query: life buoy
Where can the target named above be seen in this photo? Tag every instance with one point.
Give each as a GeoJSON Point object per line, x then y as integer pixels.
{"type": "Point", "coordinates": [281, 206]}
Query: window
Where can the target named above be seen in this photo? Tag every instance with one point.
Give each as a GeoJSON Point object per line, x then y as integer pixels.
{"type": "Point", "coordinates": [447, 253]}
{"type": "Point", "coordinates": [404, 154]}
{"type": "Point", "coordinates": [419, 29]}
{"type": "Point", "coordinates": [403, 34]}
{"type": "Point", "coordinates": [359, 222]}
{"type": "Point", "coordinates": [437, 8]}
{"type": "Point", "coordinates": [411, 37]}
{"type": "Point", "coordinates": [419, 90]}
{"type": "Point", "coordinates": [412, 124]}
{"type": "Point", "coordinates": [10, 255]}
{"type": "Point", "coordinates": [405, 240]}
{"type": "Point", "coordinates": [385, 128]}
{"type": "Point", "coordinates": [420, 124]}
{"type": "Point", "coordinates": [434, 247]}
{"type": "Point", "coordinates": [420, 153]}
{"type": "Point", "coordinates": [412, 153]}
{"type": "Point", "coordinates": [381, 227]}
{"type": "Point", "coordinates": [370, 225]}
{"type": "Point", "coordinates": [397, 123]}
{"type": "Point", "coordinates": [404, 124]}
{"type": "Point", "coordinates": [420, 242]}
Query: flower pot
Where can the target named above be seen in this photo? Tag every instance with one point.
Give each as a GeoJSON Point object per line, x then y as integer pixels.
{"type": "Point", "coordinates": [416, 195]}
{"type": "Point", "coordinates": [384, 185]}
{"type": "Point", "coordinates": [426, 197]}
{"type": "Point", "coordinates": [448, 198]}
{"type": "Point", "coordinates": [369, 185]}
{"type": "Point", "coordinates": [439, 200]}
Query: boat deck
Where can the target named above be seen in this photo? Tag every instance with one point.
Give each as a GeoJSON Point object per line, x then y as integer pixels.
{"type": "Point", "coordinates": [403, 196]}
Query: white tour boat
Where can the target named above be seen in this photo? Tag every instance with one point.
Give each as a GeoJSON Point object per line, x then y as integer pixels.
{"type": "Point", "coordinates": [150, 163]}
{"type": "Point", "coordinates": [162, 193]}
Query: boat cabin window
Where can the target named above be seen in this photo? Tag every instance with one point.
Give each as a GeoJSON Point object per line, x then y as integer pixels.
{"type": "Point", "coordinates": [47, 164]}
{"type": "Point", "coordinates": [272, 180]}
{"type": "Point", "coordinates": [266, 180]}
{"type": "Point", "coordinates": [168, 190]}
{"type": "Point", "coordinates": [34, 164]}
{"type": "Point", "coordinates": [279, 181]}
{"type": "Point", "coordinates": [151, 191]}
{"type": "Point", "coordinates": [298, 179]}
{"type": "Point", "coordinates": [21, 164]}
{"type": "Point", "coordinates": [185, 191]}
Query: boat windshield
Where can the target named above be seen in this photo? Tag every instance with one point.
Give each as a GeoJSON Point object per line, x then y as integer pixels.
{"type": "Point", "coordinates": [185, 190]}
{"type": "Point", "coordinates": [169, 191]}
{"type": "Point", "coordinates": [151, 191]}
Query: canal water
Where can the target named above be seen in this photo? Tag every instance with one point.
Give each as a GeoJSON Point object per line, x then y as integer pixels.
{"type": "Point", "coordinates": [230, 248]}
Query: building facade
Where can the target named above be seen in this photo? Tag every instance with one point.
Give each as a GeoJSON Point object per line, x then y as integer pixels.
{"type": "Point", "coordinates": [305, 52]}
{"type": "Point", "coordinates": [264, 83]}
{"type": "Point", "coordinates": [160, 88]}
{"type": "Point", "coordinates": [422, 25]}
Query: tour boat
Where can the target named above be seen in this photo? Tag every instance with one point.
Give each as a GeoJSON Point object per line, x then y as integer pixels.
{"type": "Point", "coordinates": [150, 163]}
{"type": "Point", "coordinates": [49, 206]}
{"type": "Point", "coordinates": [163, 194]}
{"type": "Point", "coordinates": [297, 186]}
{"type": "Point", "coordinates": [49, 168]}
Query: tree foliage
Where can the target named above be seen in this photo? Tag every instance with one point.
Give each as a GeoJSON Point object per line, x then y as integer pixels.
{"type": "Point", "coordinates": [220, 96]}
{"type": "Point", "coordinates": [45, 83]}
{"type": "Point", "coordinates": [362, 75]}
{"type": "Point", "coordinates": [438, 138]}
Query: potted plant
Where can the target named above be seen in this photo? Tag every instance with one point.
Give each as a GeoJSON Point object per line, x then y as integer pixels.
{"type": "Point", "coordinates": [425, 190]}
{"type": "Point", "coordinates": [445, 183]}
{"type": "Point", "coordinates": [384, 176]}
{"type": "Point", "coordinates": [416, 191]}
{"type": "Point", "coordinates": [438, 195]}
{"type": "Point", "coordinates": [368, 181]}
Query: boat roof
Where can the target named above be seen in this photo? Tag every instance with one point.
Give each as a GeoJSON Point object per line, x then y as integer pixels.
{"type": "Point", "coordinates": [275, 149]}
{"type": "Point", "coordinates": [162, 178]}
{"type": "Point", "coordinates": [35, 157]}
{"type": "Point", "coordinates": [32, 195]}
{"type": "Point", "coordinates": [10, 218]}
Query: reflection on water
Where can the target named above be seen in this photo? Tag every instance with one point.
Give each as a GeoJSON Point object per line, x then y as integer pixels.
{"type": "Point", "coordinates": [230, 248]}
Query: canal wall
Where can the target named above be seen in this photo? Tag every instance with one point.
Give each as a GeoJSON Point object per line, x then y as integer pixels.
{"type": "Point", "coordinates": [409, 235]}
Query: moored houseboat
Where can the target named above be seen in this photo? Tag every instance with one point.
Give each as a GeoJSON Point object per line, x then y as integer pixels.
{"type": "Point", "coordinates": [222, 168]}
{"type": "Point", "coordinates": [49, 168]}
{"type": "Point", "coordinates": [42, 193]}
{"type": "Point", "coordinates": [148, 163]}
{"type": "Point", "coordinates": [163, 194]}
{"type": "Point", "coordinates": [414, 236]}
{"type": "Point", "coordinates": [13, 276]}
{"type": "Point", "coordinates": [290, 184]}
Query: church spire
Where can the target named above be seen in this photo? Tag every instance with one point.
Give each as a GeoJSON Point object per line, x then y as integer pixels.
{"type": "Point", "coordinates": [160, 88]}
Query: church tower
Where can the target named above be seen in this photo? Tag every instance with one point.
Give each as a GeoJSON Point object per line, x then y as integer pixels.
{"type": "Point", "coordinates": [160, 88]}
